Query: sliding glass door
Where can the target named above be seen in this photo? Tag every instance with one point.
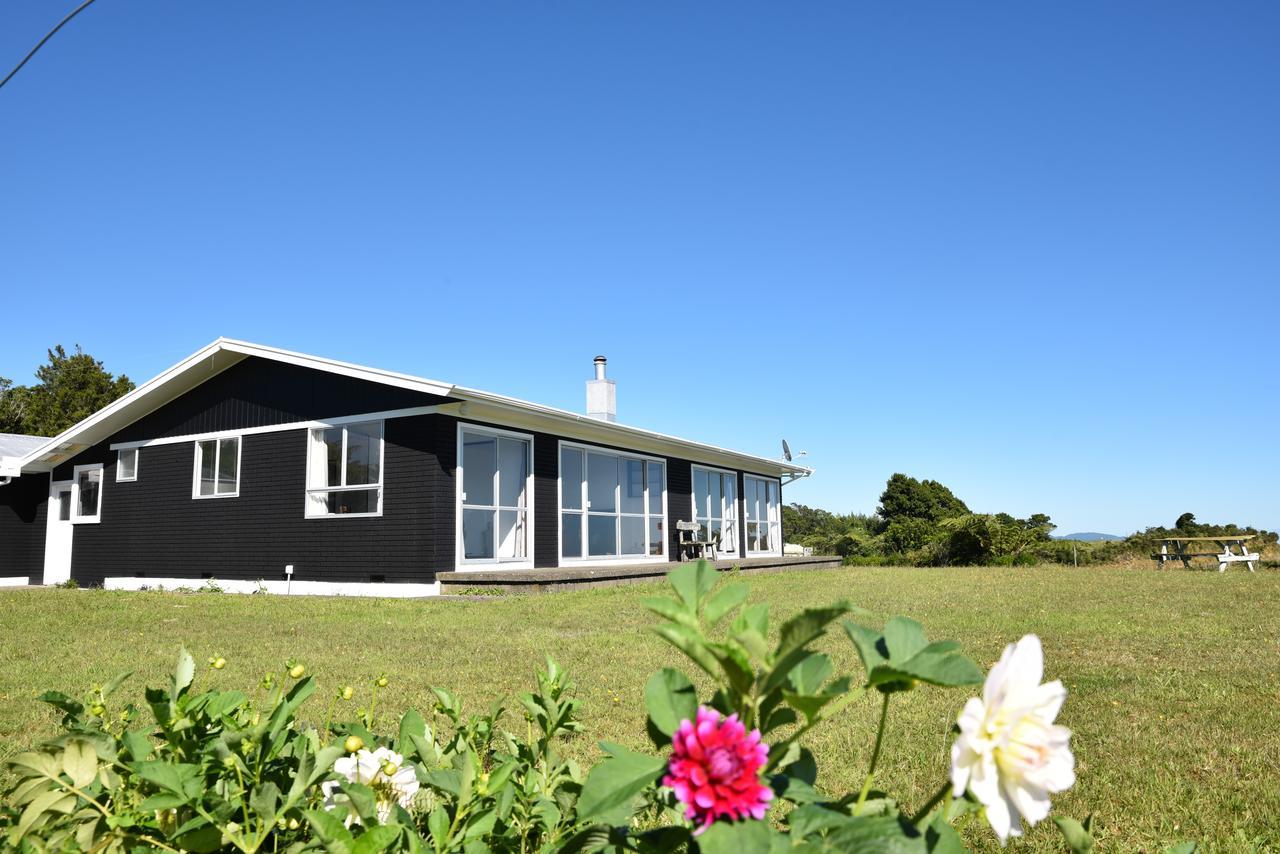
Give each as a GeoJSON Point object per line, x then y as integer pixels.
{"type": "Point", "coordinates": [495, 471]}
{"type": "Point", "coordinates": [715, 508]}
{"type": "Point", "coordinates": [764, 520]}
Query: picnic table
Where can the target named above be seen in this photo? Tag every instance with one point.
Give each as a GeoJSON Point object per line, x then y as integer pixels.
{"type": "Point", "coordinates": [1231, 550]}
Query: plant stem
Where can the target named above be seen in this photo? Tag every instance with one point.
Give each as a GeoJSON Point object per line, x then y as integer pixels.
{"type": "Point", "coordinates": [875, 756]}
{"type": "Point", "coordinates": [933, 802]}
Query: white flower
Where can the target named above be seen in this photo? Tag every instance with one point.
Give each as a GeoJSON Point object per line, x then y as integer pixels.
{"type": "Point", "coordinates": [371, 768]}
{"type": "Point", "coordinates": [1010, 754]}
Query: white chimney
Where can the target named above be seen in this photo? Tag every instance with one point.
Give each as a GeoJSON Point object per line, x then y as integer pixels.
{"type": "Point", "coordinates": [602, 394]}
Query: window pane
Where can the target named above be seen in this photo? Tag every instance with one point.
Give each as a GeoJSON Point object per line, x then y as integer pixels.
{"type": "Point", "coordinates": [717, 509]}
{"type": "Point", "coordinates": [89, 481]}
{"type": "Point", "coordinates": [571, 479]}
{"type": "Point", "coordinates": [731, 496]}
{"type": "Point", "coordinates": [657, 482]}
{"type": "Point", "coordinates": [715, 533]}
{"type": "Point", "coordinates": [752, 528]}
{"type": "Point", "coordinates": [228, 461]}
{"type": "Point", "coordinates": [511, 534]}
{"type": "Point", "coordinates": [601, 535]}
{"type": "Point", "coordinates": [701, 489]}
{"type": "Point", "coordinates": [477, 534]}
{"type": "Point", "coordinates": [764, 538]}
{"type": "Point", "coordinates": [632, 486]}
{"type": "Point", "coordinates": [633, 537]}
{"type": "Point", "coordinates": [64, 505]}
{"type": "Point", "coordinates": [655, 536]}
{"type": "Point", "coordinates": [128, 463]}
{"type": "Point", "coordinates": [207, 452]}
{"type": "Point", "coordinates": [773, 498]}
{"type": "Point", "coordinates": [602, 483]}
{"type": "Point", "coordinates": [479, 462]}
{"type": "Point", "coordinates": [364, 452]}
{"type": "Point", "coordinates": [513, 478]}
{"type": "Point", "coordinates": [571, 535]}
{"type": "Point", "coordinates": [351, 501]}
{"type": "Point", "coordinates": [332, 440]}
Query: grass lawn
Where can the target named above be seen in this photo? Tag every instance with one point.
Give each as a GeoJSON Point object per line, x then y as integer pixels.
{"type": "Point", "coordinates": [1174, 676]}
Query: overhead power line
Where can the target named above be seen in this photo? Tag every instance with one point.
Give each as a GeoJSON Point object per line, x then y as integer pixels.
{"type": "Point", "coordinates": [85, 5]}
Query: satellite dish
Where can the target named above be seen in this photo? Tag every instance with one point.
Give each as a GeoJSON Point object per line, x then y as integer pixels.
{"type": "Point", "coordinates": [786, 451]}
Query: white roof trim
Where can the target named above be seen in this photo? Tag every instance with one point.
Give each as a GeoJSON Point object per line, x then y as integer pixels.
{"type": "Point", "coordinates": [178, 380]}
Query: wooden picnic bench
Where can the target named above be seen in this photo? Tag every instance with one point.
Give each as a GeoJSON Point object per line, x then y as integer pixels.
{"type": "Point", "coordinates": [1232, 551]}
{"type": "Point", "coordinates": [691, 544]}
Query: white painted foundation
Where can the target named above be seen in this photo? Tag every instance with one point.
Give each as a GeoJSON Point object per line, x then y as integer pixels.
{"type": "Point", "coordinates": [296, 588]}
{"type": "Point", "coordinates": [14, 581]}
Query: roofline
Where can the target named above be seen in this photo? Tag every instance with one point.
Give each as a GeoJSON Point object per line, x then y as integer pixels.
{"type": "Point", "coordinates": [583, 423]}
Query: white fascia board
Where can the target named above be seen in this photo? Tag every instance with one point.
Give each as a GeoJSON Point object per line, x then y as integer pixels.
{"type": "Point", "coordinates": [506, 410]}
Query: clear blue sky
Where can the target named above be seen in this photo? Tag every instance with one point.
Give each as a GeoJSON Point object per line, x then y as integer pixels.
{"type": "Point", "coordinates": [985, 243]}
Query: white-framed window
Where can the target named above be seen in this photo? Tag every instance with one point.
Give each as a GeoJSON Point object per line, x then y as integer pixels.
{"type": "Point", "coordinates": [86, 493]}
{"type": "Point", "coordinates": [344, 470]}
{"type": "Point", "coordinates": [217, 469]}
{"type": "Point", "coordinates": [613, 505]}
{"type": "Point", "coordinates": [761, 497]}
{"type": "Point", "coordinates": [495, 490]}
{"type": "Point", "coordinates": [126, 465]}
{"type": "Point", "coordinates": [715, 507]}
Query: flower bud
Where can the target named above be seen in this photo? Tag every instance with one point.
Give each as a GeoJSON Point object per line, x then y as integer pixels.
{"type": "Point", "coordinates": [293, 824]}
{"type": "Point", "coordinates": [297, 671]}
{"type": "Point", "coordinates": [381, 681]}
{"type": "Point", "coordinates": [347, 692]}
{"type": "Point", "coordinates": [219, 663]}
{"type": "Point", "coordinates": [389, 768]}
{"type": "Point", "coordinates": [228, 761]}
{"type": "Point", "coordinates": [353, 743]}
{"type": "Point", "coordinates": [97, 709]}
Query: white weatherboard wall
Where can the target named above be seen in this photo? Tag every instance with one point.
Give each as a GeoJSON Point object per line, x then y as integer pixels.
{"type": "Point", "coordinates": [297, 588]}
{"type": "Point", "coordinates": [14, 581]}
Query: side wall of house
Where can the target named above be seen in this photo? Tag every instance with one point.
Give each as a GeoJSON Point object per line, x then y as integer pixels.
{"type": "Point", "coordinates": [23, 508]}
{"type": "Point", "coordinates": [153, 527]}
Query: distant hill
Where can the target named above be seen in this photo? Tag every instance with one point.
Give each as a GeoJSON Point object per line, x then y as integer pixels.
{"type": "Point", "coordinates": [1088, 537]}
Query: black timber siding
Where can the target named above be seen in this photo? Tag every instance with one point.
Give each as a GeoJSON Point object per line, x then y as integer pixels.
{"type": "Point", "coordinates": [153, 527]}
{"type": "Point", "coordinates": [261, 392]}
{"type": "Point", "coordinates": [23, 515]}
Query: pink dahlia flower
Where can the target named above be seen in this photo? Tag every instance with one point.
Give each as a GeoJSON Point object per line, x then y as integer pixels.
{"type": "Point", "coordinates": [715, 769]}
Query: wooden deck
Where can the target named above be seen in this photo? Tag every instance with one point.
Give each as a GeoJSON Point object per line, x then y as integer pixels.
{"type": "Point", "coordinates": [609, 574]}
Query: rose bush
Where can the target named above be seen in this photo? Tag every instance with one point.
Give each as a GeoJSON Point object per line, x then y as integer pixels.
{"type": "Point", "coordinates": [219, 771]}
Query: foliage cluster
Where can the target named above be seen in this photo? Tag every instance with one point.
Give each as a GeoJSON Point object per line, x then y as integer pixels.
{"type": "Point", "coordinates": [70, 388]}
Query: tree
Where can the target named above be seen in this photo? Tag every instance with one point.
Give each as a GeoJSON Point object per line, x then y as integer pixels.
{"type": "Point", "coordinates": [1185, 521]}
{"type": "Point", "coordinates": [907, 498]}
{"type": "Point", "coordinates": [70, 389]}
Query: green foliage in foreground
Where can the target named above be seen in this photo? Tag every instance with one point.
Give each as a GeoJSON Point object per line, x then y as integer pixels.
{"type": "Point", "coordinates": [1173, 701]}
{"type": "Point", "coordinates": [221, 771]}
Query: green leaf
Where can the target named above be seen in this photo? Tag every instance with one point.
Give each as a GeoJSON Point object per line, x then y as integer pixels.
{"type": "Point", "coordinates": [138, 745]}
{"type": "Point", "coordinates": [796, 633]}
{"type": "Point", "coordinates": [887, 834]}
{"type": "Point", "coordinates": [809, 675]}
{"type": "Point", "coordinates": [438, 827]}
{"type": "Point", "coordinates": [904, 637]}
{"type": "Point", "coordinates": [671, 610]}
{"type": "Point", "coordinates": [265, 800]}
{"type": "Point", "coordinates": [375, 839]}
{"type": "Point", "coordinates": [363, 801]}
{"type": "Point", "coordinates": [284, 712]}
{"type": "Point", "coordinates": [866, 641]}
{"type": "Point", "coordinates": [1183, 848]}
{"type": "Point", "coordinates": [949, 669]}
{"type": "Point", "coordinates": [723, 601]}
{"type": "Point", "coordinates": [178, 778]}
{"type": "Point", "coordinates": [331, 832]}
{"type": "Point", "coordinates": [80, 762]}
{"type": "Point", "coordinates": [1079, 836]}
{"type": "Point", "coordinates": [184, 672]}
{"type": "Point", "coordinates": [37, 812]}
{"type": "Point", "coordinates": [412, 725]}
{"type": "Point", "coordinates": [692, 644]}
{"type": "Point", "coordinates": [41, 763]}
{"type": "Point", "coordinates": [163, 801]}
{"type": "Point", "coordinates": [740, 837]}
{"type": "Point", "coordinates": [941, 838]}
{"type": "Point", "coordinates": [811, 819]}
{"type": "Point", "coordinates": [201, 840]}
{"type": "Point", "coordinates": [614, 782]}
{"type": "Point", "coordinates": [115, 683]}
{"type": "Point", "coordinates": [735, 663]}
{"type": "Point", "coordinates": [692, 582]}
{"type": "Point", "coordinates": [670, 698]}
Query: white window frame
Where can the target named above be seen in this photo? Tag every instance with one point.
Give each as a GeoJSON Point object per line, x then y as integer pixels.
{"type": "Point", "coordinates": [196, 460]}
{"type": "Point", "coordinates": [585, 511]}
{"type": "Point", "coordinates": [120, 455]}
{"type": "Point", "coordinates": [360, 487]}
{"type": "Point", "coordinates": [775, 525]}
{"type": "Point", "coordinates": [738, 505]}
{"type": "Point", "coordinates": [76, 518]}
{"type": "Point", "coordinates": [494, 563]}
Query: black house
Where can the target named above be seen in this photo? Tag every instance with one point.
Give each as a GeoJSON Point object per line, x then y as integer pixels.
{"type": "Point", "coordinates": [266, 468]}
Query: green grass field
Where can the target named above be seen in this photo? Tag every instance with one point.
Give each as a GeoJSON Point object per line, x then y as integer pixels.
{"type": "Point", "coordinates": [1174, 677]}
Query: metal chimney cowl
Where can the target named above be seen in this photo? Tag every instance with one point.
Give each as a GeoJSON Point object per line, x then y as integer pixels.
{"type": "Point", "coordinates": [602, 394]}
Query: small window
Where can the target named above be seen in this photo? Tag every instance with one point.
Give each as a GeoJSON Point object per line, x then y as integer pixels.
{"type": "Point", "coordinates": [344, 470]}
{"type": "Point", "coordinates": [217, 468]}
{"type": "Point", "coordinates": [127, 465]}
{"type": "Point", "coordinates": [86, 498]}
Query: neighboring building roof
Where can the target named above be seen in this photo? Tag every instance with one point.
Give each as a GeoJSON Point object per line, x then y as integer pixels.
{"type": "Point", "coordinates": [472, 403]}
{"type": "Point", "coordinates": [13, 447]}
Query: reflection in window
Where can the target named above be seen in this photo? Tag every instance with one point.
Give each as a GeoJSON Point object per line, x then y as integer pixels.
{"type": "Point", "coordinates": [495, 496]}
{"type": "Point", "coordinates": [344, 475]}
{"type": "Point", "coordinates": [87, 504]}
{"type": "Point", "coordinates": [764, 523]}
{"type": "Point", "coordinates": [611, 505]}
{"type": "Point", "coordinates": [218, 467]}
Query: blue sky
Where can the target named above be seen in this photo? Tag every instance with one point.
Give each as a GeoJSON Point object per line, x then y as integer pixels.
{"type": "Point", "coordinates": [1029, 250]}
